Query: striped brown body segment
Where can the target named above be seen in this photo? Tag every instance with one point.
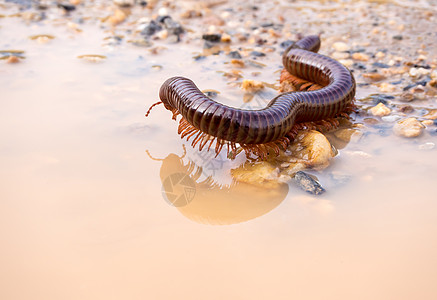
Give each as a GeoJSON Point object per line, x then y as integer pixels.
{"type": "Point", "coordinates": [257, 131]}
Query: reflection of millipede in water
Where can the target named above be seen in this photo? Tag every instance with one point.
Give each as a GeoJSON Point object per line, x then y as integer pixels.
{"type": "Point", "coordinates": [190, 169]}
{"type": "Point", "coordinates": [327, 89]}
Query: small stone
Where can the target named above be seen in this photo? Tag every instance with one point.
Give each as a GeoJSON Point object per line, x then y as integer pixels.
{"type": "Point", "coordinates": [124, 3]}
{"type": "Point", "coordinates": [257, 54]}
{"type": "Point", "coordinates": [173, 27]}
{"type": "Point", "coordinates": [374, 76]}
{"type": "Point", "coordinates": [398, 37]}
{"type": "Point", "coordinates": [93, 58]}
{"type": "Point", "coordinates": [118, 17]}
{"type": "Point", "coordinates": [312, 148]}
{"type": "Point", "coordinates": [67, 7]}
{"type": "Point", "coordinates": [433, 83]}
{"type": "Point", "coordinates": [380, 110]}
{"type": "Point", "coordinates": [427, 146]}
{"type": "Point", "coordinates": [407, 97]}
{"type": "Point", "coordinates": [286, 44]}
{"type": "Point", "coordinates": [340, 55]}
{"type": "Point", "coordinates": [215, 38]}
{"type": "Point", "coordinates": [359, 66]}
{"type": "Point", "coordinates": [380, 65]}
{"type": "Point", "coordinates": [211, 93]}
{"type": "Point", "coordinates": [308, 184]}
{"type": "Point", "coordinates": [151, 28]}
{"type": "Point", "coordinates": [379, 54]}
{"type": "Point", "coordinates": [252, 85]}
{"type": "Point", "coordinates": [428, 122]}
{"type": "Point", "coordinates": [391, 119]}
{"type": "Point", "coordinates": [386, 87]}
{"type": "Point", "coordinates": [409, 127]}
{"type": "Point", "coordinates": [191, 13]}
{"type": "Point", "coordinates": [341, 47]}
{"type": "Point", "coordinates": [12, 59]}
{"type": "Point", "coordinates": [234, 54]}
{"type": "Point", "coordinates": [226, 38]}
{"type": "Point", "coordinates": [414, 72]}
{"type": "Point", "coordinates": [405, 108]}
{"type": "Point", "coordinates": [237, 63]}
{"type": "Point", "coordinates": [163, 11]}
{"type": "Point", "coordinates": [360, 56]}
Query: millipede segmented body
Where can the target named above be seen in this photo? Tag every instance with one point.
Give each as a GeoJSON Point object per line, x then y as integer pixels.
{"type": "Point", "coordinates": [258, 131]}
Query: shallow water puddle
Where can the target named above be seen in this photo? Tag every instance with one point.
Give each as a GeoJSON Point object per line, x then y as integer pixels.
{"type": "Point", "coordinates": [96, 201]}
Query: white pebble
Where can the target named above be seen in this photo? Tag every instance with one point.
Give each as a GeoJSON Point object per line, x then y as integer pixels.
{"type": "Point", "coordinates": [340, 46]}
{"type": "Point", "coordinates": [427, 146]}
{"type": "Point", "coordinates": [163, 11]}
{"type": "Point", "coordinates": [391, 119]}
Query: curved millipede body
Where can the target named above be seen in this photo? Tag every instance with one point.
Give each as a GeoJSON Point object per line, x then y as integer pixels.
{"type": "Point", "coordinates": [257, 131]}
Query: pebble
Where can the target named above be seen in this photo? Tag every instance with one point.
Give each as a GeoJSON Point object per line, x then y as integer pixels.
{"type": "Point", "coordinates": [380, 65]}
{"type": "Point", "coordinates": [380, 110]}
{"type": "Point", "coordinates": [405, 108]}
{"type": "Point", "coordinates": [173, 27]}
{"type": "Point", "coordinates": [212, 37]}
{"type": "Point", "coordinates": [391, 119]}
{"type": "Point", "coordinates": [407, 97]}
{"type": "Point", "coordinates": [257, 54]}
{"type": "Point", "coordinates": [386, 87]}
{"type": "Point", "coordinates": [124, 3]}
{"type": "Point", "coordinates": [409, 127]}
{"type": "Point", "coordinates": [374, 76]}
{"type": "Point", "coordinates": [67, 7]}
{"type": "Point", "coordinates": [286, 44]}
{"type": "Point", "coordinates": [428, 122]}
{"type": "Point", "coordinates": [360, 56]}
{"type": "Point", "coordinates": [235, 54]}
{"type": "Point", "coordinates": [308, 184]}
{"type": "Point", "coordinates": [211, 93]}
{"type": "Point", "coordinates": [237, 63]}
{"type": "Point", "coordinates": [341, 47]}
{"type": "Point", "coordinates": [311, 148]}
{"type": "Point", "coordinates": [359, 66]}
{"type": "Point", "coordinates": [427, 146]}
{"type": "Point", "coordinates": [94, 58]}
{"type": "Point", "coordinates": [163, 11]}
{"type": "Point", "coordinates": [418, 72]}
{"type": "Point", "coordinates": [380, 54]}
{"type": "Point", "coordinates": [151, 28]}
{"type": "Point", "coordinates": [250, 85]}
{"type": "Point", "coordinates": [340, 55]}
{"type": "Point", "coordinates": [432, 83]}
{"type": "Point", "coordinates": [13, 59]}
{"type": "Point", "coordinates": [226, 38]}
{"type": "Point", "coordinates": [398, 37]}
{"type": "Point", "coordinates": [118, 17]}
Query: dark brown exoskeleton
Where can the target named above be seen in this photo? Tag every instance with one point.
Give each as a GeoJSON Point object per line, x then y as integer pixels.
{"type": "Point", "coordinates": [257, 131]}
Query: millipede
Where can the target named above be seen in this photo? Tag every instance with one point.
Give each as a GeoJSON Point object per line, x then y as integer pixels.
{"type": "Point", "coordinates": [326, 90]}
